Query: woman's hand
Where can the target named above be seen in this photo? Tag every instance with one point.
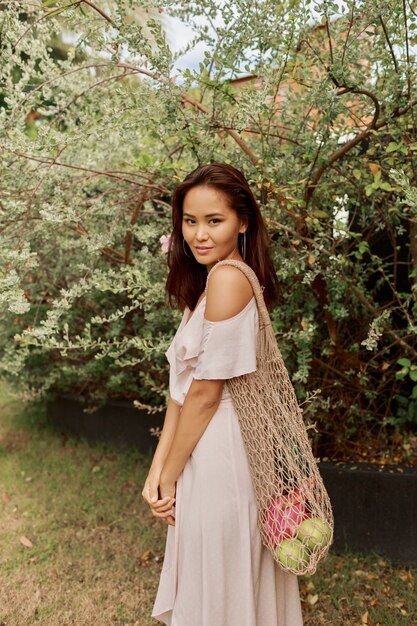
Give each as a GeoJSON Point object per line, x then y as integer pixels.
{"type": "Point", "coordinates": [169, 491]}
{"type": "Point", "coordinates": [160, 504]}
{"type": "Point", "coordinates": [150, 489]}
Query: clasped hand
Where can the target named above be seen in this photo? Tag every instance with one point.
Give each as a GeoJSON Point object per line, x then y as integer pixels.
{"type": "Point", "coordinates": [162, 507]}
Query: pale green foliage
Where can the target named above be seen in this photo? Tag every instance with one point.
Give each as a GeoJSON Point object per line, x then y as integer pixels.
{"type": "Point", "coordinates": [94, 139]}
{"type": "Point", "coordinates": [375, 331]}
{"type": "Point", "coordinates": [410, 193]}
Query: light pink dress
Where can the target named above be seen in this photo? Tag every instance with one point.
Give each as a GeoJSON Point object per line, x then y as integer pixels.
{"type": "Point", "coordinates": [216, 571]}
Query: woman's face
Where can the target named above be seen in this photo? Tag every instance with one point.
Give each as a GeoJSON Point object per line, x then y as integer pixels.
{"type": "Point", "coordinates": [209, 222]}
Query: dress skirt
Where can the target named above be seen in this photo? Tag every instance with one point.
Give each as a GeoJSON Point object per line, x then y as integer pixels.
{"type": "Point", "coordinates": [216, 571]}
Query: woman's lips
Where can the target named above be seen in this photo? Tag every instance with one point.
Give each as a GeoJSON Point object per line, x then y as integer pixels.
{"type": "Point", "coordinates": [203, 250]}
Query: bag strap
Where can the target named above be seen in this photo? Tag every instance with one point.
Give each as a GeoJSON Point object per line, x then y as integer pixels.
{"type": "Point", "coordinates": [264, 319]}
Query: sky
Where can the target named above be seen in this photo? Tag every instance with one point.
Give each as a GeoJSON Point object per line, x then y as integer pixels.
{"type": "Point", "coordinates": [178, 35]}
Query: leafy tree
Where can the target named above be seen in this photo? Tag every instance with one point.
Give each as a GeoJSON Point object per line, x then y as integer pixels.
{"type": "Point", "coordinates": [93, 143]}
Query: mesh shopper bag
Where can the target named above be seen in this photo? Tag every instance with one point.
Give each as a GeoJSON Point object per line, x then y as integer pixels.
{"type": "Point", "coordinates": [295, 517]}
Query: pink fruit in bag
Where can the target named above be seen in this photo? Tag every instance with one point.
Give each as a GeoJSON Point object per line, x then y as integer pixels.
{"type": "Point", "coordinates": [284, 516]}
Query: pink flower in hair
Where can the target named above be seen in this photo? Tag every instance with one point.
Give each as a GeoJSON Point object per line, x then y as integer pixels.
{"type": "Point", "coordinates": [165, 242]}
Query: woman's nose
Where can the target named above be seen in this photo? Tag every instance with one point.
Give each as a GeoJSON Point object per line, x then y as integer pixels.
{"type": "Point", "coordinates": [201, 232]}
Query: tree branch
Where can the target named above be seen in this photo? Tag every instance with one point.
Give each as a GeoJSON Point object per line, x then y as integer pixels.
{"type": "Point", "coordinates": [138, 205]}
{"type": "Point", "coordinates": [114, 255]}
{"type": "Point", "coordinates": [82, 93]}
{"type": "Point", "coordinates": [329, 37]}
{"type": "Point", "coordinates": [100, 11]}
{"type": "Point", "coordinates": [409, 349]}
{"type": "Point", "coordinates": [407, 47]}
{"type": "Point", "coordinates": [108, 173]}
{"type": "Point", "coordinates": [340, 152]}
{"type": "Point", "coordinates": [43, 17]}
{"type": "Point", "coordinates": [384, 28]}
{"type": "Point", "coordinates": [32, 195]}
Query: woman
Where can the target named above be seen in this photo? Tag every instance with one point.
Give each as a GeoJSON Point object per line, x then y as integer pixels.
{"type": "Point", "coordinates": [216, 571]}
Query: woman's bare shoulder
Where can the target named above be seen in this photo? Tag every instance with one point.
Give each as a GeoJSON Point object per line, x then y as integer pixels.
{"type": "Point", "coordinates": [229, 291]}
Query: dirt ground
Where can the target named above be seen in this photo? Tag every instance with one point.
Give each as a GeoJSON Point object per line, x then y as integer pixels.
{"type": "Point", "coordinates": [79, 547]}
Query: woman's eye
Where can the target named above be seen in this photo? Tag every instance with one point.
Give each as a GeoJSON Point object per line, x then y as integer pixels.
{"type": "Point", "coordinates": [214, 219]}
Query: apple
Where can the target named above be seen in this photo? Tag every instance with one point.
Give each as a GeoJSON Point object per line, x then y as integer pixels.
{"type": "Point", "coordinates": [283, 517]}
{"type": "Point", "coordinates": [291, 553]}
{"type": "Point", "coordinates": [313, 533]}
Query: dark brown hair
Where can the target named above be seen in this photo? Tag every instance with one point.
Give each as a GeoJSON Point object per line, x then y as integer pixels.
{"type": "Point", "coordinates": [187, 277]}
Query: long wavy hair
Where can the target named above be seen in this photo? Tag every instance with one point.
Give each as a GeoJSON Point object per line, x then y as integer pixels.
{"type": "Point", "coordinates": [187, 277]}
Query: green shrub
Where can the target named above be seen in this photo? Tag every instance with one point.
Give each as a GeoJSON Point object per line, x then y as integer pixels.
{"type": "Point", "coordinates": [95, 134]}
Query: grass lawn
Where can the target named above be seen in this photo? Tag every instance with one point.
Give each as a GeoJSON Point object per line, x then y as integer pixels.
{"type": "Point", "coordinates": [79, 546]}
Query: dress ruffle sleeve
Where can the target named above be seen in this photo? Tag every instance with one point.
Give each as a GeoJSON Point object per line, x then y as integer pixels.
{"type": "Point", "coordinates": [228, 347]}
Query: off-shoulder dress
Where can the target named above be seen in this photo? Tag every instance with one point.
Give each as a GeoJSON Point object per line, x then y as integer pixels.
{"type": "Point", "coordinates": [216, 571]}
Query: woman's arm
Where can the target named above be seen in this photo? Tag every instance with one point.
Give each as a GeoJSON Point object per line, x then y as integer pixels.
{"type": "Point", "coordinates": [167, 435]}
{"type": "Point", "coordinates": [228, 292]}
{"type": "Point", "coordinates": [199, 406]}
{"type": "Point", "coordinates": [180, 439]}
{"type": "Point", "coordinates": [150, 489]}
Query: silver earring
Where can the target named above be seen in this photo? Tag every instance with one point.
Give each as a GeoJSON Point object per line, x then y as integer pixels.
{"type": "Point", "coordinates": [183, 246]}
{"type": "Point", "coordinates": [244, 245]}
